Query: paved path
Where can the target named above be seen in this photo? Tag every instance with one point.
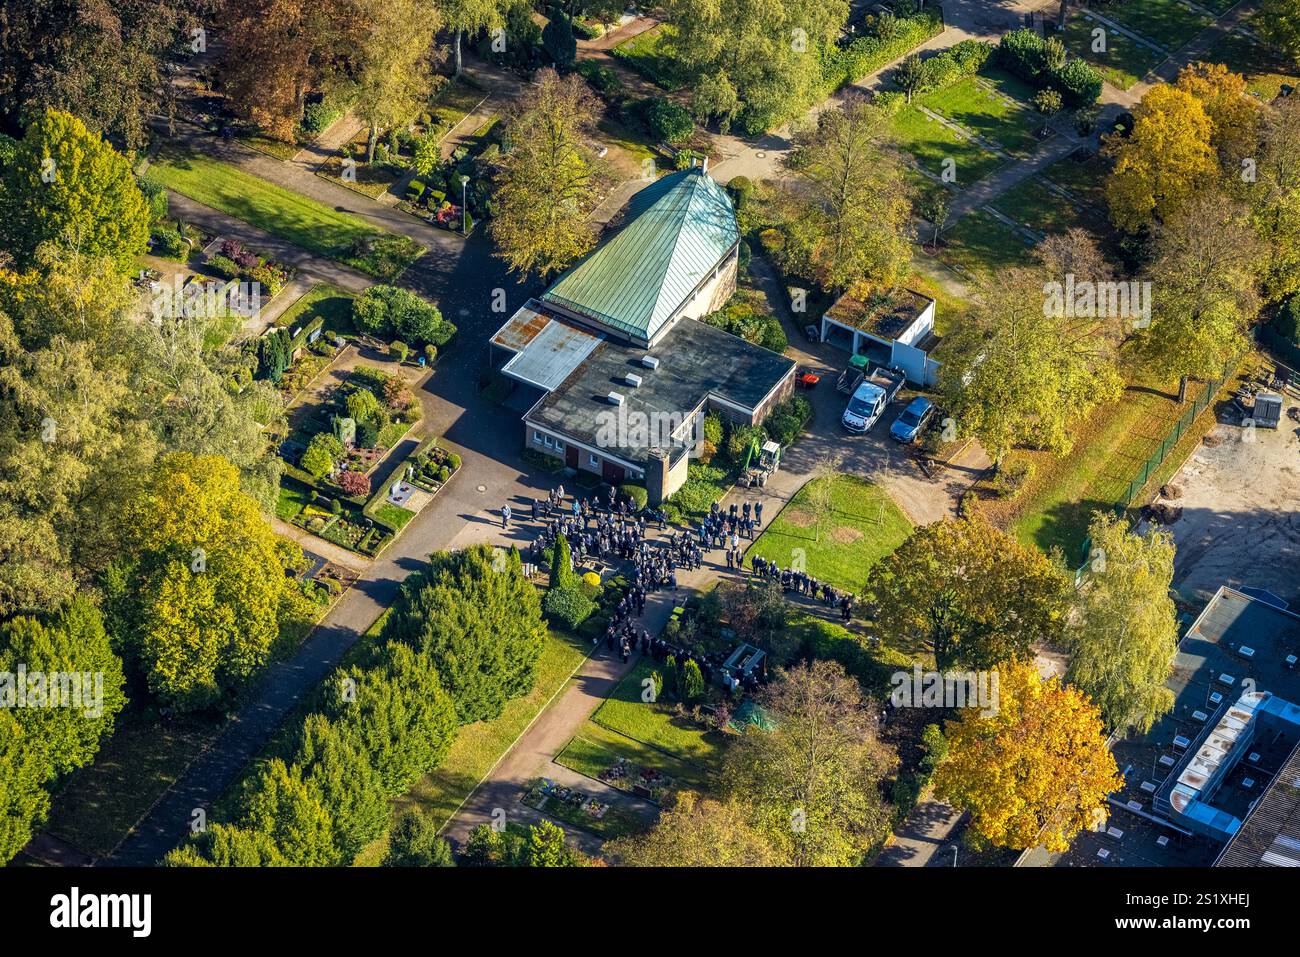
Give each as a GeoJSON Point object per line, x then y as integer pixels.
{"type": "Point", "coordinates": [925, 839]}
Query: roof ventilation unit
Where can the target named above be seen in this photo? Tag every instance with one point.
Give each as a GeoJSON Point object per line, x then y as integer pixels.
{"type": "Point", "coordinates": [633, 380]}
{"type": "Point", "coordinates": [650, 362]}
{"type": "Point", "coordinates": [615, 398]}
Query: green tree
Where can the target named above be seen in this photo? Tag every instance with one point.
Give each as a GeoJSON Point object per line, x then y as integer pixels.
{"type": "Point", "coordinates": [399, 712]}
{"type": "Point", "coordinates": [558, 39]}
{"type": "Point", "coordinates": [562, 574]}
{"type": "Point", "coordinates": [338, 771]}
{"type": "Point", "coordinates": [94, 58]}
{"type": "Point", "coordinates": [909, 75]}
{"type": "Point", "coordinates": [201, 597]}
{"type": "Point", "coordinates": [67, 186]}
{"type": "Point", "coordinates": [224, 845]}
{"type": "Point", "coordinates": [479, 621]}
{"type": "Point", "coordinates": [692, 682]}
{"type": "Point", "coordinates": [546, 846]}
{"type": "Point", "coordinates": [414, 842]}
{"type": "Point", "coordinates": [392, 311]}
{"type": "Point", "coordinates": [1206, 269]}
{"type": "Point", "coordinates": [392, 63]}
{"type": "Point", "coordinates": [850, 217]}
{"type": "Point", "coordinates": [1278, 22]}
{"type": "Point", "coordinates": [282, 806]}
{"type": "Point", "coordinates": [975, 594]}
{"type": "Point", "coordinates": [814, 779]}
{"type": "Point", "coordinates": [469, 17]}
{"type": "Point", "coordinates": [23, 800]}
{"type": "Point", "coordinates": [695, 831]}
{"type": "Point", "coordinates": [72, 643]}
{"type": "Point", "coordinates": [549, 178]}
{"type": "Point", "coordinates": [771, 54]}
{"type": "Point", "coordinates": [1125, 626]}
{"type": "Point", "coordinates": [316, 460]}
{"type": "Point", "coordinates": [483, 847]}
{"type": "Point", "coordinates": [1029, 367]}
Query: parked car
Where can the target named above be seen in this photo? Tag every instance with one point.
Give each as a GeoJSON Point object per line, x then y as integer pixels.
{"type": "Point", "coordinates": [871, 398]}
{"type": "Point", "coordinates": [910, 425]}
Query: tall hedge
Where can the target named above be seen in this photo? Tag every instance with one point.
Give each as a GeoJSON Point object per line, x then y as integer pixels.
{"type": "Point", "coordinates": [479, 621]}
{"type": "Point", "coordinates": [1044, 63]}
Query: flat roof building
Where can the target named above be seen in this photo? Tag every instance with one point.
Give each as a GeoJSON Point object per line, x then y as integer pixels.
{"type": "Point", "coordinates": [622, 371]}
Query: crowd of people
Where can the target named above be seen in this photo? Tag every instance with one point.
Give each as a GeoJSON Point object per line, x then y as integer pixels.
{"type": "Point", "coordinates": [801, 583]}
{"type": "Point", "coordinates": [607, 529]}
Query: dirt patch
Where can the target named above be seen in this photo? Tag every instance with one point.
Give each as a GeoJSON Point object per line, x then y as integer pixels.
{"type": "Point", "coordinates": [1240, 513]}
{"type": "Point", "coordinates": [798, 517]}
{"type": "Point", "coordinates": [846, 534]}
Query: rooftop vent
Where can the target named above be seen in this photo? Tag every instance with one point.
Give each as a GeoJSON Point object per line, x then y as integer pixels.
{"type": "Point", "coordinates": [650, 362]}
{"type": "Point", "coordinates": [614, 398]}
{"type": "Point", "coordinates": [633, 380]}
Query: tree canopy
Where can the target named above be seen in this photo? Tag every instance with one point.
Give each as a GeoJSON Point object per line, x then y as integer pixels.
{"type": "Point", "coordinates": [1034, 772]}
{"type": "Point", "coordinates": [479, 621]}
{"type": "Point", "coordinates": [974, 594]}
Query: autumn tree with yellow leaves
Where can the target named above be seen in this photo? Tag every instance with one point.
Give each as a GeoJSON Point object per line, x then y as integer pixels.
{"type": "Point", "coordinates": [203, 596]}
{"type": "Point", "coordinates": [1163, 162]}
{"type": "Point", "coordinates": [1036, 771]}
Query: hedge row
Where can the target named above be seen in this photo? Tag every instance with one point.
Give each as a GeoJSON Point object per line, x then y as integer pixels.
{"type": "Point", "coordinates": [865, 55]}
{"type": "Point", "coordinates": [1044, 63]}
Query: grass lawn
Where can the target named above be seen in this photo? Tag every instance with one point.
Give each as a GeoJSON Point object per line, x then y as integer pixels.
{"type": "Point", "coordinates": [394, 515]}
{"type": "Point", "coordinates": [278, 149]}
{"type": "Point", "coordinates": [1124, 60]}
{"type": "Point", "coordinates": [1166, 22]}
{"type": "Point", "coordinates": [1084, 179]}
{"type": "Point", "coordinates": [293, 499]}
{"type": "Point", "coordinates": [595, 748]}
{"type": "Point", "coordinates": [863, 527]}
{"type": "Point", "coordinates": [1056, 505]}
{"type": "Point", "coordinates": [305, 222]}
{"type": "Point", "coordinates": [981, 105]}
{"type": "Point", "coordinates": [100, 803]}
{"type": "Point", "coordinates": [453, 102]}
{"type": "Point", "coordinates": [1033, 203]}
{"type": "Point", "coordinates": [325, 300]}
{"type": "Point", "coordinates": [1265, 71]}
{"type": "Point", "coordinates": [978, 244]}
{"type": "Point", "coordinates": [644, 54]}
{"type": "Point", "coordinates": [620, 136]}
{"type": "Point", "coordinates": [949, 312]}
{"type": "Point", "coordinates": [479, 746]}
{"type": "Point", "coordinates": [932, 143]}
{"type": "Point", "coordinates": [656, 725]}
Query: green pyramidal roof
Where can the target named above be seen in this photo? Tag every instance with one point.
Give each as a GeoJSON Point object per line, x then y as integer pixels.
{"type": "Point", "coordinates": [677, 230]}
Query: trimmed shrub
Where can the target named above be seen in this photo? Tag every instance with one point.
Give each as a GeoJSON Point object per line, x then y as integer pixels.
{"type": "Point", "coordinates": [226, 266]}
{"type": "Point", "coordinates": [354, 483]}
{"type": "Point", "coordinates": [786, 420]}
{"type": "Point", "coordinates": [668, 121]}
{"type": "Point", "coordinates": [168, 244]}
{"type": "Point", "coordinates": [636, 494]}
{"type": "Point", "coordinates": [567, 606]}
